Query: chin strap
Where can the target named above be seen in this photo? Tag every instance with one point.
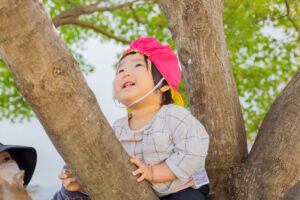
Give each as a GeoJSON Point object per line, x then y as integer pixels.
{"type": "Point", "coordinates": [143, 97]}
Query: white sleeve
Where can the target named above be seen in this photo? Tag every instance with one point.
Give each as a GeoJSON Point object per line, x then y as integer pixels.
{"type": "Point", "coordinates": [191, 142]}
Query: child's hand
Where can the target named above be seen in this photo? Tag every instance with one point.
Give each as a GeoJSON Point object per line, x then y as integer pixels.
{"type": "Point", "coordinates": [69, 181]}
{"type": "Point", "coordinates": [143, 169]}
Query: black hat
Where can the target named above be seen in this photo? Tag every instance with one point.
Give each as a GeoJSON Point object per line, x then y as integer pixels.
{"type": "Point", "coordinates": [25, 158]}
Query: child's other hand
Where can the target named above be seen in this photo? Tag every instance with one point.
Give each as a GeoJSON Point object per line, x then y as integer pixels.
{"type": "Point", "coordinates": [143, 169]}
{"type": "Point", "coordinates": [69, 182]}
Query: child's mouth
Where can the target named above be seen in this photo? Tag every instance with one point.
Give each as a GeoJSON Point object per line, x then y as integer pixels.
{"type": "Point", "coordinates": [128, 84]}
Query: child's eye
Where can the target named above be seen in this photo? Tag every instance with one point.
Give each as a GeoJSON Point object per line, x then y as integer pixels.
{"type": "Point", "coordinates": [120, 71]}
{"type": "Point", "coordinates": [139, 65]}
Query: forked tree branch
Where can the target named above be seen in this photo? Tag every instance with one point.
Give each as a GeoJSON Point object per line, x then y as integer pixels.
{"type": "Point", "coordinates": [75, 21]}
{"type": "Point", "coordinates": [71, 15]}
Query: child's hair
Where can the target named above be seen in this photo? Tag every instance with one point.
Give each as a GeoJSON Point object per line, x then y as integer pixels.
{"type": "Point", "coordinates": [166, 97]}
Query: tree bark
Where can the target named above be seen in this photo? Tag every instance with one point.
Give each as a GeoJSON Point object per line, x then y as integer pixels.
{"type": "Point", "coordinates": [273, 166]}
{"type": "Point", "coordinates": [197, 30]}
{"type": "Point", "coordinates": [49, 78]}
{"type": "Point", "coordinates": [294, 193]}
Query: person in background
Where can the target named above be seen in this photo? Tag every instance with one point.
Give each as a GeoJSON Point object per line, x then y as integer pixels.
{"type": "Point", "coordinates": [70, 189]}
{"type": "Point", "coordinates": [17, 164]}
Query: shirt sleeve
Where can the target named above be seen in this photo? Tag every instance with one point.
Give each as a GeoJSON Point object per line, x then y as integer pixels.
{"type": "Point", "coordinates": [190, 141]}
{"type": "Point", "coordinates": [64, 194]}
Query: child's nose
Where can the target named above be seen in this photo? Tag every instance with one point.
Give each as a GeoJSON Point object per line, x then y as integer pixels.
{"type": "Point", "coordinates": [127, 73]}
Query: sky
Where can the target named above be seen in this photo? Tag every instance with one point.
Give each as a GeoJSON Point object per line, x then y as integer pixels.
{"type": "Point", "coordinates": [50, 163]}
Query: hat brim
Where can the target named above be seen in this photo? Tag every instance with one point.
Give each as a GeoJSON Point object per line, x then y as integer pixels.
{"type": "Point", "coordinates": [25, 157]}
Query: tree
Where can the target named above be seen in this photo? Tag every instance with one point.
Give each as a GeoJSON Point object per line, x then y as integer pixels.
{"type": "Point", "coordinates": [196, 26]}
{"type": "Point", "coordinates": [262, 63]}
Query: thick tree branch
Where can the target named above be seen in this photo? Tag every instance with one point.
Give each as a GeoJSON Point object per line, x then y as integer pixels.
{"type": "Point", "coordinates": [288, 15]}
{"type": "Point", "coordinates": [273, 165]}
{"type": "Point", "coordinates": [197, 30]}
{"type": "Point", "coordinates": [74, 21]}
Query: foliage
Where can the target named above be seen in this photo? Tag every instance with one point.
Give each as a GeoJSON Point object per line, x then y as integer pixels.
{"type": "Point", "coordinates": [12, 104]}
{"type": "Point", "coordinates": [262, 38]}
{"type": "Point", "coordinates": [262, 43]}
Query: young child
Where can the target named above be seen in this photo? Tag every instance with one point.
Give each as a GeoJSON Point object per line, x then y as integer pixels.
{"type": "Point", "coordinates": [165, 142]}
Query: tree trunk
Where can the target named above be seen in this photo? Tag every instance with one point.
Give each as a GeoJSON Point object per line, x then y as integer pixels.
{"type": "Point", "coordinates": [273, 166]}
{"type": "Point", "coordinates": [197, 30]}
{"type": "Point", "coordinates": [49, 78]}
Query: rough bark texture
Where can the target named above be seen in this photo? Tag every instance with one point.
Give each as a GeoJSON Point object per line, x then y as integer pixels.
{"type": "Point", "coordinates": [293, 194]}
{"type": "Point", "coordinates": [49, 78]}
{"type": "Point", "coordinates": [197, 30]}
{"type": "Point", "coordinates": [273, 166]}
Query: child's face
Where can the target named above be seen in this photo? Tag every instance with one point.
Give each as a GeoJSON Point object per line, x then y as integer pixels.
{"type": "Point", "coordinates": [133, 79]}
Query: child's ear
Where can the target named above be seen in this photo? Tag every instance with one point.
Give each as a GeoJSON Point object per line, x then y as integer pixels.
{"type": "Point", "coordinates": [164, 88]}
